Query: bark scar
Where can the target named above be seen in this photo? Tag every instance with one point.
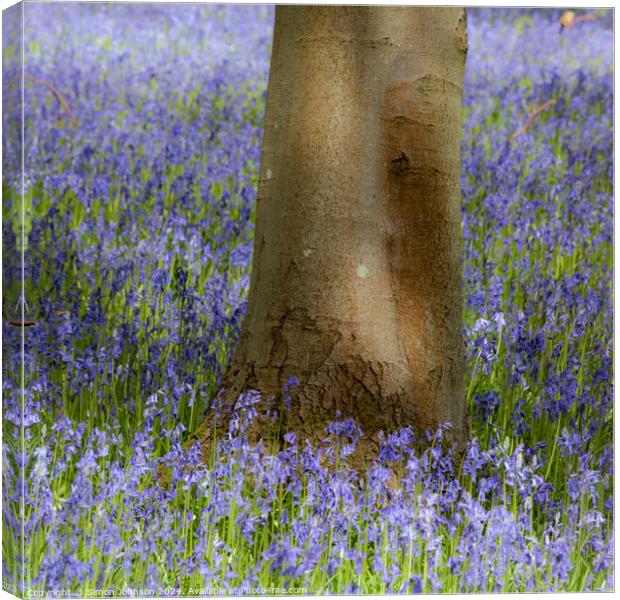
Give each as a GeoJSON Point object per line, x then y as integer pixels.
{"type": "Point", "coordinates": [461, 32]}
{"type": "Point", "coordinates": [400, 163]}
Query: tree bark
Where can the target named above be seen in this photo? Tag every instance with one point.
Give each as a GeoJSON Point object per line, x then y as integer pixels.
{"type": "Point", "coordinates": [356, 277]}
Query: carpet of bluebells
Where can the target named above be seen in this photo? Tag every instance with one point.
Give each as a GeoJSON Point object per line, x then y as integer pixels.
{"type": "Point", "coordinates": [142, 144]}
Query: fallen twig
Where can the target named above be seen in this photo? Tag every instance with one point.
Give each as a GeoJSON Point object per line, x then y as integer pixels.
{"type": "Point", "coordinates": [62, 100]}
{"type": "Point", "coordinates": [20, 323]}
{"type": "Point", "coordinates": [59, 96]}
{"type": "Point", "coordinates": [533, 114]}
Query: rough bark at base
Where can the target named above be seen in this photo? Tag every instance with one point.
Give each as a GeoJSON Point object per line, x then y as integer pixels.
{"type": "Point", "coordinates": [356, 277]}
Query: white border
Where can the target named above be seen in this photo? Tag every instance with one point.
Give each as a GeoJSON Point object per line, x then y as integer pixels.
{"type": "Point", "coordinates": [480, 3]}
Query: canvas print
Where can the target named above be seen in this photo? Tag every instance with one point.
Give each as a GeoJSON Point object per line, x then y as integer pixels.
{"type": "Point", "coordinates": [306, 299]}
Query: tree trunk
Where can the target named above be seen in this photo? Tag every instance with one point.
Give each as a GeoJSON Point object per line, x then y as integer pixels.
{"type": "Point", "coordinates": [356, 277]}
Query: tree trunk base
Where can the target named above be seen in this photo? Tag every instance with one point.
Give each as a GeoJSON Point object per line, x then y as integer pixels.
{"type": "Point", "coordinates": [362, 391]}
